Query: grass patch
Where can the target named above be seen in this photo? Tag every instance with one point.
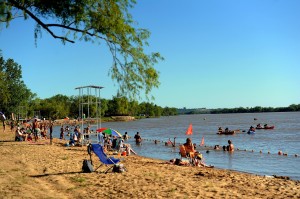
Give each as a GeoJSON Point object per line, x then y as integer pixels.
{"type": "Point", "coordinates": [65, 158]}
{"type": "Point", "coordinates": [172, 190]}
{"type": "Point", "coordinates": [78, 179]}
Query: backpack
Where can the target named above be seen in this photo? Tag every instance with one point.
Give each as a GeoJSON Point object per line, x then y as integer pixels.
{"type": "Point", "coordinates": [118, 168]}
{"type": "Point", "coordinates": [87, 166]}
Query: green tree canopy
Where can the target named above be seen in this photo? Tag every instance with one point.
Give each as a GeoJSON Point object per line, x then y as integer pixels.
{"type": "Point", "coordinates": [107, 21]}
{"type": "Point", "coordinates": [13, 91]}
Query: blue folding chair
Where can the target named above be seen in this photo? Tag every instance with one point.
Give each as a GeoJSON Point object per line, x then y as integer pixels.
{"type": "Point", "coordinates": [104, 159]}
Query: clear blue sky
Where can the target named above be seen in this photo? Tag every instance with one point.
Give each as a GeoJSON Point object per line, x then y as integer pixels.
{"type": "Point", "coordinates": [218, 54]}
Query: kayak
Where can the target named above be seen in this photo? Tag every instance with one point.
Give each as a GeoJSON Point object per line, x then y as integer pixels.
{"type": "Point", "coordinates": [267, 127]}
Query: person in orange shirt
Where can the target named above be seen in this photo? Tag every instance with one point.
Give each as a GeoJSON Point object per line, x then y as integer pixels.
{"type": "Point", "coordinates": [189, 147]}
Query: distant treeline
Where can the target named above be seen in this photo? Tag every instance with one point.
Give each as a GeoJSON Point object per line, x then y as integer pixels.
{"type": "Point", "coordinates": [61, 106]}
{"type": "Point", "coordinates": [257, 109]}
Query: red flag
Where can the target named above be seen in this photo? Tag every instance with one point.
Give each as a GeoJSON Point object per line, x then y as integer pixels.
{"type": "Point", "coordinates": [202, 141]}
{"type": "Point", "coordinates": [189, 130]}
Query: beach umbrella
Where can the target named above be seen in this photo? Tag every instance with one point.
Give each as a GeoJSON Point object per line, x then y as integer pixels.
{"type": "Point", "coordinates": [2, 116]}
{"type": "Point", "coordinates": [109, 131]}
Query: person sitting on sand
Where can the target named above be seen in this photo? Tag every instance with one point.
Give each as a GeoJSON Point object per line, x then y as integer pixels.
{"type": "Point", "coordinates": [189, 147]}
{"type": "Point", "coordinates": [108, 143]}
{"type": "Point", "coordinates": [24, 134]}
{"type": "Point", "coordinates": [29, 137]}
{"type": "Point", "coordinates": [199, 161]}
{"type": "Point", "coordinates": [18, 135]}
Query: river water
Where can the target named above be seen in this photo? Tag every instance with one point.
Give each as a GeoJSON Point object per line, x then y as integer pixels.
{"type": "Point", "coordinates": [257, 154]}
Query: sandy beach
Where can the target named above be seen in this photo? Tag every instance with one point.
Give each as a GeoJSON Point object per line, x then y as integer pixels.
{"type": "Point", "coordinates": [41, 170]}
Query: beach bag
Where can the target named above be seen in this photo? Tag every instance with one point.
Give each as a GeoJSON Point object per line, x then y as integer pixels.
{"type": "Point", "coordinates": [87, 166]}
{"type": "Point", "coordinates": [118, 168]}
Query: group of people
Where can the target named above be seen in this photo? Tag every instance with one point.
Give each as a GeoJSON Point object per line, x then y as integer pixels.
{"type": "Point", "coordinates": [229, 147]}
{"type": "Point", "coordinates": [35, 131]}
{"type": "Point", "coordinates": [260, 126]}
{"type": "Point", "coordinates": [187, 150]}
{"type": "Point", "coordinates": [115, 143]}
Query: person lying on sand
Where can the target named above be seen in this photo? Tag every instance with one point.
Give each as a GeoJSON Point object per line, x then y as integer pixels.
{"type": "Point", "coordinates": [198, 161]}
{"type": "Point", "coordinates": [178, 162]}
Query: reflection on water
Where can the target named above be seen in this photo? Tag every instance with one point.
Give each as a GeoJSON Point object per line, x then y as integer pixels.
{"type": "Point", "coordinates": [285, 137]}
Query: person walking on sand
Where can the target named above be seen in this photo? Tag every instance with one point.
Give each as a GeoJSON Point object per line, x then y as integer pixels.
{"type": "Point", "coordinates": [51, 131]}
{"type": "Point", "coordinates": [35, 129]}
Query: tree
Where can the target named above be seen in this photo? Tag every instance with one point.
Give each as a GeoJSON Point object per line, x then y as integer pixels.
{"type": "Point", "coordinates": [13, 91]}
{"type": "Point", "coordinates": [95, 21]}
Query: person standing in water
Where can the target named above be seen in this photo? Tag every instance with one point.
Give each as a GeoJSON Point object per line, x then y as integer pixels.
{"type": "Point", "coordinates": [138, 138]}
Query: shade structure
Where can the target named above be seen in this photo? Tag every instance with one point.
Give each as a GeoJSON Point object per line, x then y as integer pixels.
{"type": "Point", "coordinates": [109, 131]}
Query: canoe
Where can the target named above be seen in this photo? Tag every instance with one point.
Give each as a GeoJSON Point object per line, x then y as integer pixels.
{"type": "Point", "coordinates": [267, 127]}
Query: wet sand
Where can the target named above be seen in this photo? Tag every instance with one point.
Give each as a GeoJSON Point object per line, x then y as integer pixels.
{"type": "Point", "coordinates": [41, 170]}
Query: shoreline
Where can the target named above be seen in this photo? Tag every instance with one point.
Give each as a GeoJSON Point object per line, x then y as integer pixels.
{"type": "Point", "coordinates": [40, 170]}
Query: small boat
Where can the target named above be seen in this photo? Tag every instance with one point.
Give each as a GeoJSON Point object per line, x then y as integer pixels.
{"type": "Point", "coordinates": [266, 127]}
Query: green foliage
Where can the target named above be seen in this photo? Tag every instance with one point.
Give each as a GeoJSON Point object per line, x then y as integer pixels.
{"type": "Point", "coordinates": [61, 106]}
{"type": "Point", "coordinates": [96, 21]}
{"type": "Point", "coordinates": [13, 91]}
{"type": "Point", "coordinates": [257, 109]}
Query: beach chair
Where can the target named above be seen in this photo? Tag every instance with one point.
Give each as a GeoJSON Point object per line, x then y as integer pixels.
{"type": "Point", "coordinates": [104, 159]}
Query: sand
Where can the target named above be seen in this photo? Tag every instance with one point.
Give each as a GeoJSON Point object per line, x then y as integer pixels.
{"type": "Point", "coordinates": [41, 170]}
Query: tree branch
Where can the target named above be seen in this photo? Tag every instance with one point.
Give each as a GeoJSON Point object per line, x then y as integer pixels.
{"type": "Point", "coordinates": [15, 4]}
